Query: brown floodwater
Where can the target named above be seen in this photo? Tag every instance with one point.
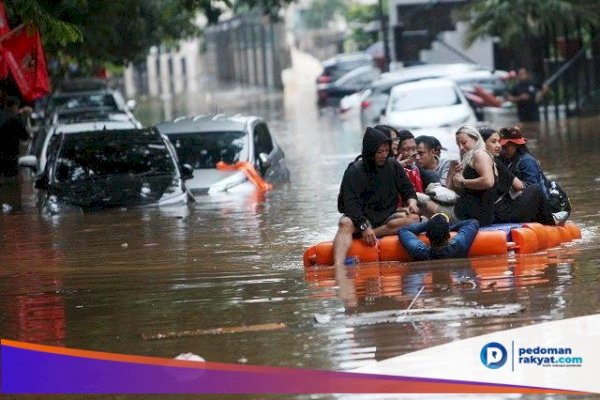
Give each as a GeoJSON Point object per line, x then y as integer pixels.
{"type": "Point", "coordinates": [107, 280]}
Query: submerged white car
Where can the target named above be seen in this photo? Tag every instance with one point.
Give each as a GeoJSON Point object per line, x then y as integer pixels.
{"type": "Point", "coordinates": [215, 146]}
{"type": "Point", "coordinates": [431, 104]}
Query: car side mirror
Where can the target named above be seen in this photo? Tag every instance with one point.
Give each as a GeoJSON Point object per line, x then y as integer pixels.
{"type": "Point", "coordinates": [28, 161]}
{"type": "Point", "coordinates": [131, 104]}
{"type": "Point", "coordinates": [263, 159]}
{"type": "Point", "coordinates": [187, 172]}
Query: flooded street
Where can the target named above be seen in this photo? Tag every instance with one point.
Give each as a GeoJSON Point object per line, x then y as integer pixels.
{"type": "Point", "coordinates": [104, 280]}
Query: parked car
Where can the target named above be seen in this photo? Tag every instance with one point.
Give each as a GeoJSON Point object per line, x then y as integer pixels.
{"type": "Point", "coordinates": [330, 94]}
{"type": "Point", "coordinates": [335, 67]}
{"type": "Point", "coordinates": [38, 149]}
{"type": "Point", "coordinates": [427, 105]}
{"type": "Point", "coordinates": [90, 114]}
{"type": "Point", "coordinates": [471, 83]}
{"type": "Point", "coordinates": [204, 141]}
{"type": "Point", "coordinates": [111, 168]}
{"type": "Point", "coordinates": [374, 99]}
{"type": "Point", "coordinates": [84, 94]}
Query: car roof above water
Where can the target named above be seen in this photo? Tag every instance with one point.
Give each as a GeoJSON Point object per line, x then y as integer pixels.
{"type": "Point", "coordinates": [206, 123]}
{"type": "Point", "coordinates": [94, 126]}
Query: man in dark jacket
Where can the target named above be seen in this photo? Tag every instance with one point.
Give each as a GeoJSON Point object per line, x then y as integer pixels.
{"type": "Point", "coordinates": [369, 195]}
{"type": "Point", "coordinates": [526, 95]}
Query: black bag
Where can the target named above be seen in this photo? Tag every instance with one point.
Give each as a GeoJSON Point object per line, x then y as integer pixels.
{"type": "Point", "coordinates": [557, 198]}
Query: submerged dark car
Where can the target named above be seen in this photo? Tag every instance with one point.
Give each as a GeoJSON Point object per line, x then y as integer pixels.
{"type": "Point", "coordinates": [119, 168]}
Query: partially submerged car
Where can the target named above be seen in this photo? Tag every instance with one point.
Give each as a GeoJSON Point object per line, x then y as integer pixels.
{"type": "Point", "coordinates": [218, 147]}
{"type": "Point", "coordinates": [84, 94]}
{"type": "Point", "coordinates": [38, 149]}
{"type": "Point", "coordinates": [111, 168]}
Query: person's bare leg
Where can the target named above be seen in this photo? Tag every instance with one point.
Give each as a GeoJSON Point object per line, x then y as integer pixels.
{"type": "Point", "coordinates": [392, 226]}
{"type": "Point", "coordinates": [342, 240]}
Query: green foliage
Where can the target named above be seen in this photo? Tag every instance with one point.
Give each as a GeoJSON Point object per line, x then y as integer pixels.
{"type": "Point", "coordinates": [514, 21]}
{"type": "Point", "coordinates": [322, 11]}
{"type": "Point", "coordinates": [117, 32]}
{"type": "Point", "coordinates": [358, 15]}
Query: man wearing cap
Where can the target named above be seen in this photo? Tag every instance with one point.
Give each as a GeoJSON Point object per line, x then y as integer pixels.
{"type": "Point", "coordinates": [437, 230]}
{"type": "Point", "coordinates": [369, 194]}
{"type": "Point", "coordinates": [526, 95]}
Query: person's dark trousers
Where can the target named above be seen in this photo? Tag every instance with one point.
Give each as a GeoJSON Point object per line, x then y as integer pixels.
{"type": "Point", "coordinates": [530, 206]}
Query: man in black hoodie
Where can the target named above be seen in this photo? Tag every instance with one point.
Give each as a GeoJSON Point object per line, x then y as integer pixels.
{"type": "Point", "coordinates": [369, 196]}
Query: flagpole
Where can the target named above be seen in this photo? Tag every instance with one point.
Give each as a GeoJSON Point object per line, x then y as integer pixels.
{"type": "Point", "coordinates": [9, 34]}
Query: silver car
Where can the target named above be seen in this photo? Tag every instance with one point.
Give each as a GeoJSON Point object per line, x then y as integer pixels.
{"type": "Point", "coordinates": [216, 147]}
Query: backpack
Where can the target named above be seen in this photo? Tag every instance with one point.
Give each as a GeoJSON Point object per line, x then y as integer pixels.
{"type": "Point", "coordinates": [556, 196]}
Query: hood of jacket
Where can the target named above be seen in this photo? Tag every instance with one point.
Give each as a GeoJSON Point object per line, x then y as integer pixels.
{"type": "Point", "coordinates": [372, 139]}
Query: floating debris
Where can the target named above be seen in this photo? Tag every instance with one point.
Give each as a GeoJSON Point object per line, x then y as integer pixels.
{"type": "Point", "coordinates": [431, 314]}
{"type": "Point", "coordinates": [322, 318]}
{"type": "Point", "coordinates": [190, 357]}
{"type": "Point", "coordinates": [217, 331]}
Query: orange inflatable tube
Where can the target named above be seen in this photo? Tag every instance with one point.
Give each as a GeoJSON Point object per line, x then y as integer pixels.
{"type": "Point", "coordinates": [530, 238]}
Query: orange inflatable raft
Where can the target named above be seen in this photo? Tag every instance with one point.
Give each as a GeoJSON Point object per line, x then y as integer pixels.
{"type": "Point", "coordinates": [495, 240]}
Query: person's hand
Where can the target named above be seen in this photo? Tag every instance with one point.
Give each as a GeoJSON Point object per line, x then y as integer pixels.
{"type": "Point", "coordinates": [369, 237]}
{"type": "Point", "coordinates": [25, 110]}
{"type": "Point", "coordinates": [412, 206]}
{"type": "Point", "coordinates": [457, 168]}
{"type": "Point", "coordinates": [457, 180]}
{"type": "Point", "coordinates": [408, 161]}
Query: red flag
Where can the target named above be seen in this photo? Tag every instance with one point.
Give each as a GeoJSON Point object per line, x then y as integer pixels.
{"type": "Point", "coordinates": [4, 28]}
{"type": "Point", "coordinates": [23, 52]}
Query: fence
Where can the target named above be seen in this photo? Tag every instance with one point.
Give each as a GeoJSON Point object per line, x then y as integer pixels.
{"type": "Point", "coordinates": [247, 50]}
{"type": "Point", "coordinates": [572, 70]}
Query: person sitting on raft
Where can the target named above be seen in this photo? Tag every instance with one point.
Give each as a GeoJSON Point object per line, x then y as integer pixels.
{"type": "Point", "coordinates": [429, 157]}
{"type": "Point", "coordinates": [524, 166]}
{"type": "Point", "coordinates": [369, 195]}
{"type": "Point", "coordinates": [437, 230]}
{"type": "Point", "coordinates": [514, 202]}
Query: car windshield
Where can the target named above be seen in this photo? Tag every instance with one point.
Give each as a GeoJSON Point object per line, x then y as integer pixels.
{"type": "Point", "coordinates": [72, 101]}
{"type": "Point", "coordinates": [424, 97]}
{"type": "Point", "coordinates": [100, 154]}
{"type": "Point", "coordinates": [203, 150]}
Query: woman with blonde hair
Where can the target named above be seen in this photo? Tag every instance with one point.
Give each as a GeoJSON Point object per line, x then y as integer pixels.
{"type": "Point", "coordinates": [474, 178]}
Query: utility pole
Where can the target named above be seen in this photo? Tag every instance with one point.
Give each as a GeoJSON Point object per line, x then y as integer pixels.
{"type": "Point", "coordinates": [384, 32]}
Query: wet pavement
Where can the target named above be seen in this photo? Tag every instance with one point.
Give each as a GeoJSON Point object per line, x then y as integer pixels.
{"type": "Point", "coordinates": [108, 280]}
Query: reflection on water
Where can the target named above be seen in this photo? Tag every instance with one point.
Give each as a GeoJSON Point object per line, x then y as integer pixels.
{"type": "Point", "coordinates": [101, 281]}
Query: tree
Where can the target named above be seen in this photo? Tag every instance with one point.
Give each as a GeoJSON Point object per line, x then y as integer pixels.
{"type": "Point", "coordinates": [101, 30]}
{"type": "Point", "coordinates": [118, 32]}
{"type": "Point", "coordinates": [321, 12]}
{"type": "Point", "coordinates": [524, 24]}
